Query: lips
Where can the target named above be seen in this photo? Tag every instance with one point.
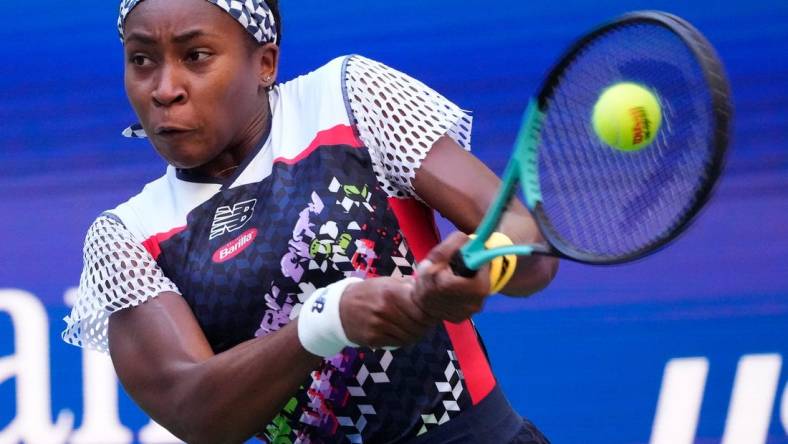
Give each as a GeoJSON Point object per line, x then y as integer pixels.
{"type": "Point", "coordinates": [167, 130]}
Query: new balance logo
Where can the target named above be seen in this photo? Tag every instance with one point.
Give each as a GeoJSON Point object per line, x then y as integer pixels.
{"type": "Point", "coordinates": [319, 305]}
{"type": "Point", "coordinates": [228, 219]}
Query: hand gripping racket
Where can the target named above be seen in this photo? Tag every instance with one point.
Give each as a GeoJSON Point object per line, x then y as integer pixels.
{"type": "Point", "coordinates": [597, 204]}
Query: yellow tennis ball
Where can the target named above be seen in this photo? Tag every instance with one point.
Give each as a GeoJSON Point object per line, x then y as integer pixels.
{"type": "Point", "coordinates": [627, 116]}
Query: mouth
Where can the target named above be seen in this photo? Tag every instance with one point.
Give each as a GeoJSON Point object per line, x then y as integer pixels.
{"type": "Point", "coordinates": [171, 130]}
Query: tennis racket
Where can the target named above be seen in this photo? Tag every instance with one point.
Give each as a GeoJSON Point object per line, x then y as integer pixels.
{"type": "Point", "coordinates": [596, 204]}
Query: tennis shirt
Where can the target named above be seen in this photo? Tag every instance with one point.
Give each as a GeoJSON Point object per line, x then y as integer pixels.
{"type": "Point", "coordinates": [327, 195]}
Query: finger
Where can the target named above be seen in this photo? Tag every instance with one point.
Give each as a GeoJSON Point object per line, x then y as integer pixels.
{"type": "Point", "coordinates": [402, 332]}
{"type": "Point", "coordinates": [407, 314]}
{"type": "Point", "coordinates": [441, 307]}
{"type": "Point", "coordinates": [397, 321]}
{"type": "Point", "coordinates": [391, 336]}
{"type": "Point", "coordinates": [461, 296]}
{"type": "Point", "coordinates": [422, 292]}
{"type": "Point", "coordinates": [410, 310]}
{"type": "Point", "coordinates": [401, 326]}
{"type": "Point", "coordinates": [456, 311]}
{"type": "Point", "coordinates": [364, 311]}
{"type": "Point", "coordinates": [435, 301]}
{"type": "Point", "coordinates": [442, 294]}
{"type": "Point", "coordinates": [380, 331]}
{"type": "Point", "coordinates": [446, 281]}
{"type": "Point", "coordinates": [423, 267]}
{"type": "Point", "coordinates": [451, 312]}
{"type": "Point", "coordinates": [384, 341]}
{"type": "Point", "coordinates": [441, 254]}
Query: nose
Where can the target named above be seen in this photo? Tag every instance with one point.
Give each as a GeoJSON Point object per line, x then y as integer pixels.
{"type": "Point", "coordinates": [169, 89]}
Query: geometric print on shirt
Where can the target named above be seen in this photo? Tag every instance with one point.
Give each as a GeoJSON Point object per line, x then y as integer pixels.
{"type": "Point", "coordinates": [318, 221]}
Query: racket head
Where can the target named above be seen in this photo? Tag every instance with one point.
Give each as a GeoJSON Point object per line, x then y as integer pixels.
{"type": "Point", "coordinates": [598, 205]}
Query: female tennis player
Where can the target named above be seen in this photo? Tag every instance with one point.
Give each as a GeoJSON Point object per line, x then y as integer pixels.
{"type": "Point", "coordinates": [263, 286]}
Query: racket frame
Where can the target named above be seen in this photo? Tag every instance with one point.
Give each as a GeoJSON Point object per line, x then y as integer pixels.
{"type": "Point", "coordinates": [523, 167]}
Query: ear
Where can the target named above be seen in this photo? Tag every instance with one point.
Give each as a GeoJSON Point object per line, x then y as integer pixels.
{"type": "Point", "coordinates": [267, 56]}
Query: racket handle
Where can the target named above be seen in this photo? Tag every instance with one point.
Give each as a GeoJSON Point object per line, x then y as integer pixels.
{"type": "Point", "coordinates": [459, 267]}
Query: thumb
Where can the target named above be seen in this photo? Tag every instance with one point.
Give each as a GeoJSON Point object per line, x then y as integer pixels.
{"type": "Point", "coordinates": [441, 254]}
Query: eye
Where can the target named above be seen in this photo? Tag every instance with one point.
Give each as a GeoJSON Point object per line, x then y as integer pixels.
{"type": "Point", "coordinates": [198, 55]}
{"type": "Point", "coordinates": [140, 60]}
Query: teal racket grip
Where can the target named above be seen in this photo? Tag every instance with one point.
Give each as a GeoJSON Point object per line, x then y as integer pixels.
{"type": "Point", "coordinates": [467, 263]}
{"type": "Point", "coordinates": [459, 260]}
{"type": "Point", "coordinates": [459, 267]}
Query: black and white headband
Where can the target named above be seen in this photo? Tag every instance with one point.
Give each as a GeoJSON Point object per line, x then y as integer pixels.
{"type": "Point", "coordinates": [255, 16]}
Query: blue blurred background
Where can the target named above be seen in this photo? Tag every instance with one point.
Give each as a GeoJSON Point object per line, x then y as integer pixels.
{"type": "Point", "coordinates": [585, 358]}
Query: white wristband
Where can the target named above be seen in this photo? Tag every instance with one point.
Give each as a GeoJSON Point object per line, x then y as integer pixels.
{"type": "Point", "coordinates": [319, 326]}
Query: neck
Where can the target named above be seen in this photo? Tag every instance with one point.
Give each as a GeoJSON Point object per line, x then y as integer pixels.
{"type": "Point", "coordinates": [230, 159]}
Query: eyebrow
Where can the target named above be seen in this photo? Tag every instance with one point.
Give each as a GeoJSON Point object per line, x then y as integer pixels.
{"type": "Point", "coordinates": [189, 35]}
{"type": "Point", "coordinates": [184, 37]}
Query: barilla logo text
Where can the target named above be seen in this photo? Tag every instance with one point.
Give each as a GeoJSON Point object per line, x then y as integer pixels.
{"type": "Point", "coordinates": [235, 246]}
{"type": "Point", "coordinates": [641, 130]}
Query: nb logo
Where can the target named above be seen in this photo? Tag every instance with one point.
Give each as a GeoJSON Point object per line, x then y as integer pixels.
{"type": "Point", "coordinates": [319, 305]}
{"type": "Point", "coordinates": [228, 219]}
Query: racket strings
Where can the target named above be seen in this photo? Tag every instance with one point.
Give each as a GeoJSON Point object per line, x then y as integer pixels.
{"type": "Point", "coordinates": [606, 202]}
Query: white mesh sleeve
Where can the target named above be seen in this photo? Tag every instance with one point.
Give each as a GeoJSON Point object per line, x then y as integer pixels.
{"type": "Point", "coordinates": [118, 273]}
{"type": "Point", "coordinates": [399, 119]}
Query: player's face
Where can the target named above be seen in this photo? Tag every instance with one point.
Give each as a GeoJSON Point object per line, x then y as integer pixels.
{"type": "Point", "coordinates": [194, 82]}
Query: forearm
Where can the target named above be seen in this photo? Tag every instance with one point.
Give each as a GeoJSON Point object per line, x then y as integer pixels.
{"type": "Point", "coordinates": [166, 364]}
{"type": "Point", "coordinates": [231, 396]}
{"type": "Point", "coordinates": [533, 273]}
{"type": "Point", "coordinates": [464, 198]}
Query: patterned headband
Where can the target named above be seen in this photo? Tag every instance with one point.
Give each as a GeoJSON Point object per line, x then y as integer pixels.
{"type": "Point", "coordinates": [254, 15]}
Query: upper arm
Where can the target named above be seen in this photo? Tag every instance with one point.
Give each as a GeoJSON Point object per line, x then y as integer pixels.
{"type": "Point", "coordinates": [126, 305]}
{"type": "Point", "coordinates": [462, 188]}
{"type": "Point", "coordinates": [150, 345]}
{"type": "Point", "coordinates": [458, 185]}
{"type": "Point", "coordinates": [118, 273]}
{"type": "Point", "coordinates": [399, 119]}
